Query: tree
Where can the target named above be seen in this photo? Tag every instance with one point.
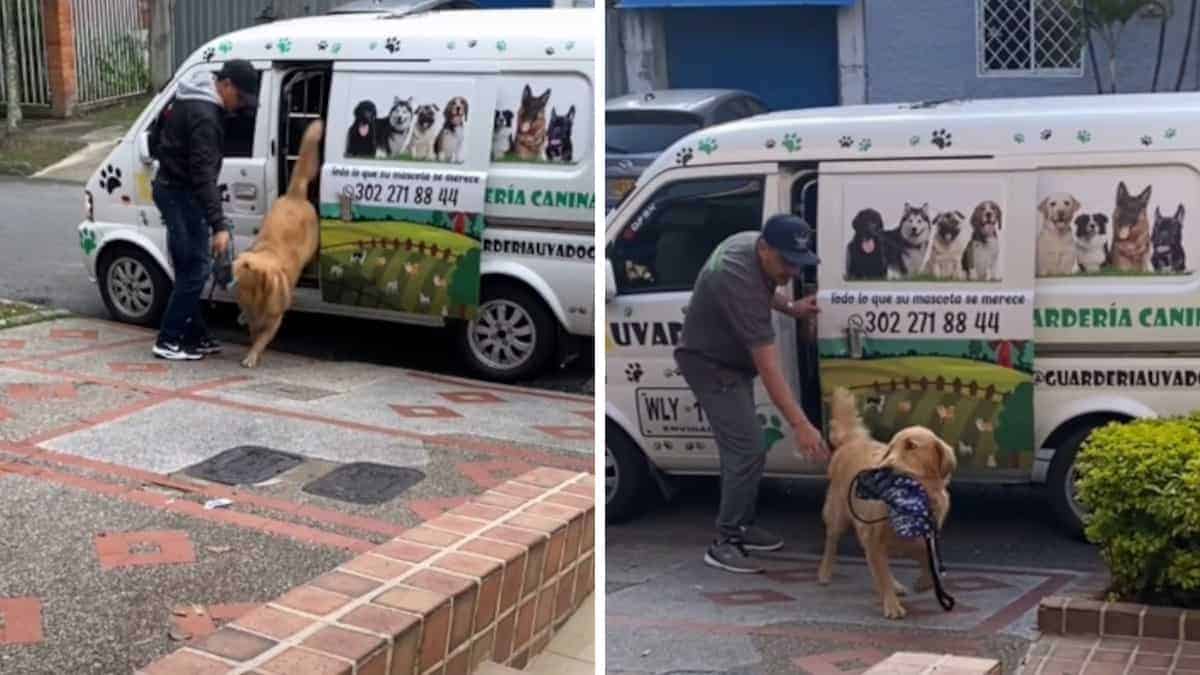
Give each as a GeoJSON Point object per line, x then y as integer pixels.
{"type": "Point", "coordinates": [1108, 18]}
{"type": "Point", "coordinates": [12, 74]}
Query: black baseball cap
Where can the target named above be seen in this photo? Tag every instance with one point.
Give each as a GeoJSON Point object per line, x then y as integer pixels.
{"type": "Point", "coordinates": [244, 77]}
{"type": "Point", "coordinates": [792, 237]}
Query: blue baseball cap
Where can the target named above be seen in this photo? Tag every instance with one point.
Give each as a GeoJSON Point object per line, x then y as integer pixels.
{"type": "Point", "coordinates": [793, 238]}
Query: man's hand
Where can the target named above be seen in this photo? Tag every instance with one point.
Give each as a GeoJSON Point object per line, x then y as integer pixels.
{"type": "Point", "coordinates": [220, 243]}
{"type": "Point", "coordinates": [804, 308]}
{"type": "Point", "coordinates": [808, 439]}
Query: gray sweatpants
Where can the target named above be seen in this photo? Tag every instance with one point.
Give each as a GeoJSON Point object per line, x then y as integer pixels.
{"type": "Point", "coordinates": [727, 399]}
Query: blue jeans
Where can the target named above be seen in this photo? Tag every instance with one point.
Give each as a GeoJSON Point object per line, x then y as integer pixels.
{"type": "Point", "coordinates": [189, 243]}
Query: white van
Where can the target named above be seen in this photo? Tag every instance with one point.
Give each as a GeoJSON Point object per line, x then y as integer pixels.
{"type": "Point", "coordinates": [957, 240]}
{"type": "Point", "coordinates": [491, 232]}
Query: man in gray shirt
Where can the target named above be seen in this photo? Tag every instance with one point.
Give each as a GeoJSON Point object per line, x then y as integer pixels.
{"type": "Point", "coordinates": [727, 340]}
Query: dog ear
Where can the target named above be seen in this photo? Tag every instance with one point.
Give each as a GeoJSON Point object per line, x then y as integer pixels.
{"type": "Point", "coordinates": [1075, 204]}
{"type": "Point", "coordinates": [1145, 196]}
{"type": "Point", "coordinates": [960, 215]}
{"type": "Point", "coordinates": [571, 113]}
{"type": "Point", "coordinates": [949, 461]}
{"type": "Point", "coordinates": [1044, 207]}
{"type": "Point", "coordinates": [1179, 213]}
{"type": "Point", "coordinates": [1157, 214]}
{"type": "Point", "coordinates": [527, 92]}
{"type": "Point", "coordinates": [1122, 191]}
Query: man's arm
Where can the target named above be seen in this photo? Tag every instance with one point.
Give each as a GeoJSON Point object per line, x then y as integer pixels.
{"type": "Point", "coordinates": [205, 165]}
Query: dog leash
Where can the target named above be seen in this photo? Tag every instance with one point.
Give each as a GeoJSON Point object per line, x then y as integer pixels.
{"type": "Point", "coordinates": [910, 513]}
{"type": "Point", "coordinates": [222, 272]}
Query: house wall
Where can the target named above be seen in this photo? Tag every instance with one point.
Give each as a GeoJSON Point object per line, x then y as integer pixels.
{"type": "Point", "coordinates": [926, 49]}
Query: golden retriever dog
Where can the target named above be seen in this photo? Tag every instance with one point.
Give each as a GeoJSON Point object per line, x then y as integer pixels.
{"type": "Point", "coordinates": [1056, 236]}
{"type": "Point", "coordinates": [267, 272]}
{"type": "Point", "coordinates": [915, 451]}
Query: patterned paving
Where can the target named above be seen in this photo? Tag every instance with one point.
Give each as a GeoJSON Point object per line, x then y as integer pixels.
{"type": "Point", "coordinates": [1115, 656]}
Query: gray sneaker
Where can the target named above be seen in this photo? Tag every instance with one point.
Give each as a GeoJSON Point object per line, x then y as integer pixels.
{"type": "Point", "coordinates": [729, 555]}
{"type": "Point", "coordinates": [757, 539]}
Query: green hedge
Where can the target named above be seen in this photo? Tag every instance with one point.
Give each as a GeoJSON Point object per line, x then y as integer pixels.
{"type": "Point", "coordinates": [1141, 482]}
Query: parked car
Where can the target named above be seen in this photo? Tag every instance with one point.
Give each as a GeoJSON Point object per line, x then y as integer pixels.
{"type": "Point", "coordinates": [640, 126]}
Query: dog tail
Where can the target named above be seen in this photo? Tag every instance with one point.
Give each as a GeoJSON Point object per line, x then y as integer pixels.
{"type": "Point", "coordinates": [308, 163]}
{"type": "Point", "coordinates": [845, 424]}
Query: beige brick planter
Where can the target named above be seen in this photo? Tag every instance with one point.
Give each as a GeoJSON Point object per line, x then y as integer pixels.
{"type": "Point", "coordinates": [917, 663]}
{"type": "Point", "coordinates": [491, 580]}
{"type": "Point", "coordinates": [1064, 615]}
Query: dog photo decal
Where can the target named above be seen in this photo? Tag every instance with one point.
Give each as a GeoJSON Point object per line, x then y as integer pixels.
{"type": "Point", "coordinates": [1106, 223]}
{"type": "Point", "coordinates": [953, 236]}
{"type": "Point", "coordinates": [542, 120]}
{"type": "Point", "coordinates": [417, 120]}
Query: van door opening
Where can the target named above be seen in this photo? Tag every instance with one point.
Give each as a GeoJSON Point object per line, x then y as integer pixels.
{"type": "Point", "coordinates": [803, 200]}
{"type": "Point", "coordinates": [304, 97]}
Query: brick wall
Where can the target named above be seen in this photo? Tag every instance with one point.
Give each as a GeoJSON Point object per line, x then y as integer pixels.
{"type": "Point", "coordinates": [60, 56]}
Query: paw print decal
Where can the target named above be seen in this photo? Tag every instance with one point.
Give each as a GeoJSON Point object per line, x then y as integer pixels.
{"type": "Point", "coordinates": [372, 46]}
{"type": "Point", "coordinates": [549, 51]}
{"type": "Point", "coordinates": [337, 47]}
{"type": "Point", "coordinates": [792, 142]}
{"type": "Point", "coordinates": [1018, 138]}
{"type": "Point", "coordinates": [634, 372]}
{"type": "Point", "coordinates": [209, 54]}
{"type": "Point", "coordinates": [941, 138]}
{"type": "Point", "coordinates": [285, 45]}
{"type": "Point", "coordinates": [501, 46]}
{"type": "Point", "coordinates": [450, 45]}
{"type": "Point", "coordinates": [1046, 134]}
{"type": "Point", "coordinates": [87, 241]}
{"type": "Point", "coordinates": [684, 156]}
{"type": "Point", "coordinates": [770, 144]}
{"type": "Point", "coordinates": [1147, 140]}
{"type": "Point", "coordinates": [1169, 133]}
{"type": "Point", "coordinates": [392, 45]}
{"type": "Point", "coordinates": [708, 146]}
{"type": "Point", "coordinates": [864, 145]}
{"type": "Point", "coordinates": [226, 46]}
{"type": "Point", "coordinates": [472, 43]}
{"type": "Point", "coordinates": [323, 45]}
{"type": "Point", "coordinates": [110, 179]}
{"type": "Point", "coordinates": [1084, 136]}
{"type": "Point", "coordinates": [914, 140]}
{"type": "Point", "coordinates": [269, 46]}
{"type": "Point", "coordinates": [772, 429]}
{"type": "Point", "coordinates": [845, 141]}
{"type": "Point", "coordinates": [570, 45]}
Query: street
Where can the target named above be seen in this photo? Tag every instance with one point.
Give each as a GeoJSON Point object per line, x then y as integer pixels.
{"type": "Point", "coordinates": [41, 264]}
{"type": "Point", "coordinates": [1001, 553]}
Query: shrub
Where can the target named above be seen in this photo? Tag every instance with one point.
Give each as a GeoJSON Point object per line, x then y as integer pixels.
{"type": "Point", "coordinates": [1141, 482]}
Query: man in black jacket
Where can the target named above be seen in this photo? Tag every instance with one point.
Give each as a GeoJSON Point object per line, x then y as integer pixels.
{"type": "Point", "coordinates": [190, 149]}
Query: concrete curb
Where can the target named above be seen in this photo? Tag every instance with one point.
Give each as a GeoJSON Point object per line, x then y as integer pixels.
{"type": "Point", "coordinates": [493, 579]}
{"type": "Point", "coordinates": [38, 315]}
{"type": "Point", "coordinates": [1074, 615]}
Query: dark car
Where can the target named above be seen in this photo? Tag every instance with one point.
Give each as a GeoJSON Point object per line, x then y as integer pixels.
{"type": "Point", "coordinates": [639, 127]}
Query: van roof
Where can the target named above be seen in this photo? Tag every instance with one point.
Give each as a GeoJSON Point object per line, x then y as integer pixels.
{"type": "Point", "coordinates": [959, 128]}
{"type": "Point", "coordinates": [461, 34]}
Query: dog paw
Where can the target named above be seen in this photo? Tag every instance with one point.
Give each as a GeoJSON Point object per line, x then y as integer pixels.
{"type": "Point", "coordinates": [892, 609]}
{"type": "Point", "coordinates": [792, 142]}
{"type": "Point", "coordinates": [846, 141]}
{"type": "Point", "coordinates": [941, 138]}
{"type": "Point", "coordinates": [684, 156]}
{"type": "Point", "coordinates": [110, 178]}
{"type": "Point", "coordinates": [901, 589]}
{"type": "Point", "coordinates": [285, 45]}
{"type": "Point", "coordinates": [634, 372]}
{"type": "Point", "coordinates": [323, 45]}
{"type": "Point", "coordinates": [392, 45]}
{"type": "Point", "coordinates": [1147, 140]}
{"type": "Point", "coordinates": [1046, 134]}
{"type": "Point", "coordinates": [251, 361]}
{"type": "Point", "coordinates": [209, 54]}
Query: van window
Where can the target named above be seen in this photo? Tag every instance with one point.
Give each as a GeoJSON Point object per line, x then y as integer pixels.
{"type": "Point", "coordinates": [408, 118]}
{"type": "Point", "coordinates": [542, 118]}
{"type": "Point", "coordinates": [667, 242]}
{"type": "Point", "coordinates": [239, 133]}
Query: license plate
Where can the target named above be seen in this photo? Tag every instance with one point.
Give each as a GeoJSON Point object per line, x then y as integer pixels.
{"type": "Point", "coordinates": [670, 412]}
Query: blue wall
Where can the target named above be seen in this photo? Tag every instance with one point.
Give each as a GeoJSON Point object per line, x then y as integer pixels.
{"type": "Point", "coordinates": [927, 50]}
{"type": "Point", "coordinates": [786, 55]}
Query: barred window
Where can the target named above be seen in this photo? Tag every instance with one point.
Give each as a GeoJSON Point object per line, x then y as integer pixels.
{"type": "Point", "coordinates": [1030, 37]}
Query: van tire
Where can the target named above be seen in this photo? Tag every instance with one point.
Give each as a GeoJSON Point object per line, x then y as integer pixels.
{"type": "Point", "coordinates": [508, 301]}
{"type": "Point", "coordinates": [1060, 479]}
{"type": "Point", "coordinates": [130, 267]}
{"type": "Point", "coordinates": [626, 476]}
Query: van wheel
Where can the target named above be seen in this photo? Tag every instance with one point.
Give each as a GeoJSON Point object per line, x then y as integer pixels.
{"type": "Point", "coordinates": [1061, 478]}
{"type": "Point", "coordinates": [134, 288]}
{"type": "Point", "coordinates": [626, 476]}
{"type": "Point", "coordinates": [512, 337]}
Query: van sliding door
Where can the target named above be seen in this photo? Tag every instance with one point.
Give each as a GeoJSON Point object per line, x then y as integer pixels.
{"type": "Point", "coordinates": [926, 290]}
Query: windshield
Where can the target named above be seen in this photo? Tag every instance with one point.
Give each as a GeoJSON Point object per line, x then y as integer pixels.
{"type": "Point", "coordinates": [631, 132]}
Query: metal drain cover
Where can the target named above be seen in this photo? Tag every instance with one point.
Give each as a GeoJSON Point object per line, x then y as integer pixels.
{"type": "Point", "coordinates": [244, 465]}
{"type": "Point", "coordinates": [365, 483]}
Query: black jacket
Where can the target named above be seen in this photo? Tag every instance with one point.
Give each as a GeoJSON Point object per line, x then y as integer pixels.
{"type": "Point", "coordinates": [189, 141]}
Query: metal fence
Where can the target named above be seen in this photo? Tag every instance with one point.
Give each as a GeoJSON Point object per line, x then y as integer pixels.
{"type": "Point", "coordinates": [111, 49]}
{"type": "Point", "coordinates": [31, 53]}
{"type": "Point", "coordinates": [198, 21]}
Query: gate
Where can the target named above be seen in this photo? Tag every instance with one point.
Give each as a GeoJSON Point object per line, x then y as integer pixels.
{"type": "Point", "coordinates": [31, 53]}
{"type": "Point", "coordinates": [111, 48]}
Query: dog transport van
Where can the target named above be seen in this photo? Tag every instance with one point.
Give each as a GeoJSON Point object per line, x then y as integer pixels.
{"type": "Point", "coordinates": [457, 179]}
{"type": "Point", "coordinates": [1012, 274]}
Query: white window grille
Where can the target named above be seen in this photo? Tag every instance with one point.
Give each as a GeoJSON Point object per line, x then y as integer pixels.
{"type": "Point", "coordinates": [1023, 38]}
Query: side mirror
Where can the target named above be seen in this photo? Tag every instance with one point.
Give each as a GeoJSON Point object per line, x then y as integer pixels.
{"type": "Point", "coordinates": [143, 148]}
{"type": "Point", "coordinates": [610, 281]}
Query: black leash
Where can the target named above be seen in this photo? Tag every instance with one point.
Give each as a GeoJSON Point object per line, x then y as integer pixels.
{"type": "Point", "coordinates": [937, 567]}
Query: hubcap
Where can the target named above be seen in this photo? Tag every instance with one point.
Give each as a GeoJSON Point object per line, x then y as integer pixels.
{"type": "Point", "coordinates": [503, 336]}
{"type": "Point", "coordinates": [130, 287]}
{"type": "Point", "coordinates": [610, 475]}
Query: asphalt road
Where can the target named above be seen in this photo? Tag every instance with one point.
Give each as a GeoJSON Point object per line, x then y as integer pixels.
{"type": "Point", "coordinates": [40, 262]}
